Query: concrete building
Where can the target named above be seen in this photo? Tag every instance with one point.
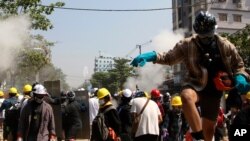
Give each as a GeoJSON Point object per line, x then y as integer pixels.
{"type": "Point", "coordinates": [103, 63]}
{"type": "Point", "coordinates": [231, 15]}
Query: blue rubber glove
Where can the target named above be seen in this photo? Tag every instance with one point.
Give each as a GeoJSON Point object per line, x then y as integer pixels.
{"type": "Point", "coordinates": [241, 84]}
{"type": "Point", "coordinates": [143, 58]}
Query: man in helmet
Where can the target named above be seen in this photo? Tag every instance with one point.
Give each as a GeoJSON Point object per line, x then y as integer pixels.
{"type": "Point", "coordinates": [11, 114]}
{"type": "Point", "coordinates": [37, 118]}
{"type": "Point", "coordinates": [27, 89]}
{"type": "Point", "coordinates": [125, 115]}
{"type": "Point", "coordinates": [150, 118]}
{"type": "Point", "coordinates": [204, 54]}
{"type": "Point", "coordinates": [176, 123]}
{"type": "Point", "coordinates": [71, 119]}
{"type": "Point", "coordinates": [112, 119]}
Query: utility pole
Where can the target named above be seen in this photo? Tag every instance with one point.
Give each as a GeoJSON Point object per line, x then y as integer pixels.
{"type": "Point", "coordinates": [139, 46]}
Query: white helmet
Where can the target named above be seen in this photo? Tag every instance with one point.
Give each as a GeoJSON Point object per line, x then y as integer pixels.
{"type": "Point", "coordinates": [127, 93]}
{"type": "Point", "coordinates": [40, 89]}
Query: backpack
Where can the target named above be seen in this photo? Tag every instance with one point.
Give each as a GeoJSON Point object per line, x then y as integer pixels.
{"type": "Point", "coordinates": [12, 114]}
{"type": "Point", "coordinates": [100, 130]}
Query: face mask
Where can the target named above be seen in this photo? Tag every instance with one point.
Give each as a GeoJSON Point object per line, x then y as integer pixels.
{"type": "Point", "coordinates": [38, 100]}
{"type": "Point", "coordinates": [101, 102]}
{"type": "Point", "coordinates": [206, 40]}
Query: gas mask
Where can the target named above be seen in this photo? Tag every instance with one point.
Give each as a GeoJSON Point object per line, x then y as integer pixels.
{"type": "Point", "coordinates": [177, 110]}
{"type": "Point", "coordinates": [39, 99]}
{"type": "Point", "coordinates": [206, 40]}
{"type": "Point", "coordinates": [101, 102]}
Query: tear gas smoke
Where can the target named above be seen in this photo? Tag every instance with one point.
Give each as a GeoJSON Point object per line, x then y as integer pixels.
{"type": "Point", "coordinates": [152, 75]}
{"type": "Point", "coordinates": [14, 32]}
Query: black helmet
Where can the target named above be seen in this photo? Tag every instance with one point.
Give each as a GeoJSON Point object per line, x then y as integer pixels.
{"type": "Point", "coordinates": [63, 94]}
{"type": "Point", "coordinates": [71, 95]}
{"type": "Point", "coordinates": [140, 94]}
{"type": "Point", "coordinates": [204, 23]}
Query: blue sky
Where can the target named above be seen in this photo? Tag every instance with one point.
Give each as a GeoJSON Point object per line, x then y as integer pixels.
{"type": "Point", "coordinates": [80, 35]}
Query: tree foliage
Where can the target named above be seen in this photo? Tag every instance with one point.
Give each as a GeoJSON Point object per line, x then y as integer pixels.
{"type": "Point", "coordinates": [115, 78]}
{"type": "Point", "coordinates": [241, 39]}
{"type": "Point", "coordinates": [34, 8]}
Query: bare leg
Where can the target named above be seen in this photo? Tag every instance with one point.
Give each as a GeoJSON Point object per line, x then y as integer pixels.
{"type": "Point", "coordinates": [189, 98]}
{"type": "Point", "coordinates": [208, 129]}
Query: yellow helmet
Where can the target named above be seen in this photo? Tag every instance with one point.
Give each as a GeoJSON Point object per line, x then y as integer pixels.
{"type": "Point", "coordinates": [13, 90]}
{"type": "Point", "coordinates": [176, 101]}
{"type": "Point", "coordinates": [27, 88]}
{"type": "Point", "coordinates": [1, 93]}
{"type": "Point", "coordinates": [102, 93]}
{"type": "Point", "coordinates": [248, 95]}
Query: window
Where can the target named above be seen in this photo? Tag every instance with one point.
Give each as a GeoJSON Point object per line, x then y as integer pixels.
{"type": "Point", "coordinates": [222, 17]}
{"type": "Point", "coordinates": [237, 18]}
{"type": "Point", "coordinates": [236, 1]}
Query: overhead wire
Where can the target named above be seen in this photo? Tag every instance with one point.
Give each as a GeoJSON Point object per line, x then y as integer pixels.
{"type": "Point", "coordinates": [132, 10]}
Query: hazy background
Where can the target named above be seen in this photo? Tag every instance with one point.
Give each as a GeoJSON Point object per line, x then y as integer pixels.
{"type": "Point", "coordinates": [80, 35]}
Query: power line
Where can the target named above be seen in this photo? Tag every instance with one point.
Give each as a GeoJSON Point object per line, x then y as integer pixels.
{"type": "Point", "coordinates": [132, 10]}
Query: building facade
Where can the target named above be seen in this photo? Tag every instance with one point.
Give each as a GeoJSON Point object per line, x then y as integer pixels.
{"type": "Point", "coordinates": [103, 63]}
{"type": "Point", "coordinates": [231, 15]}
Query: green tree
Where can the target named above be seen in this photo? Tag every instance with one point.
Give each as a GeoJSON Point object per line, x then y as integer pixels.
{"type": "Point", "coordinates": [34, 8]}
{"type": "Point", "coordinates": [241, 39]}
{"type": "Point", "coordinates": [122, 70]}
{"type": "Point", "coordinates": [115, 78]}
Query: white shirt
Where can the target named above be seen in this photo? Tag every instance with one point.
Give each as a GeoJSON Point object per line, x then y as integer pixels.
{"type": "Point", "coordinates": [1, 102]}
{"type": "Point", "coordinates": [149, 122]}
{"type": "Point", "coordinates": [93, 108]}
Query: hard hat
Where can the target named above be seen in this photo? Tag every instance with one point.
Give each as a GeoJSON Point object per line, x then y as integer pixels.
{"type": "Point", "coordinates": [63, 94]}
{"type": "Point", "coordinates": [155, 93]}
{"type": "Point", "coordinates": [176, 101]}
{"type": "Point", "coordinates": [102, 93]}
{"type": "Point", "coordinates": [13, 90]}
{"type": "Point", "coordinates": [127, 93]}
{"type": "Point", "coordinates": [27, 88]}
{"type": "Point", "coordinates": [40, 89]}
{"type": "Point", "coordinates": [205, 23]}
{"type": "Point", "coordinates": [248, 95]}
{"type": "Point", "coordinates": [1, 93]}
{"type": "Point", "coordinates": [141, 94]}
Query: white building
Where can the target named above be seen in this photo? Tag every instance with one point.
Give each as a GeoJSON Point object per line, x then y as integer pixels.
{"type": "Point", "coordinates": [103, 63]}
{"type": "Point", "coordinates": [231, 15]}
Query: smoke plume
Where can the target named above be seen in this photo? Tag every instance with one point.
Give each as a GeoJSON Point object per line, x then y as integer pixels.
{"type": "Point", "coordinates": [14, 32]}
{"type": "Point", "coordinates": [152, 75]}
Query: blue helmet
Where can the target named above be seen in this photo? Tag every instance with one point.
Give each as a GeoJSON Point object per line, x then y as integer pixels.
{"type": "Point", "coordinates": [204, 23]}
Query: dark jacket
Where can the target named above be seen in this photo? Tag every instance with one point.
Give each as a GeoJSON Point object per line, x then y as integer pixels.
{"type": "Point", "coordinates": [125, 117]}
{"type": "Point", "coordinates": [47, 125]}
{"type": "Point", "coordinates": [187, 51]}
{"type": "Point", "coordinates": [71, 116]}
{"type": "Point", "coordinates": [112, 119]}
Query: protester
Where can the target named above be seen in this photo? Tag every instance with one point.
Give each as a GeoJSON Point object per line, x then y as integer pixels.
{"type": "Point", "coordinates": [27, 89]}
{"type": "Point", "coordinates": [211, 62]}
{"type": "Point", "coordinates": [93, 106]}
{"type": "Point", "coordinates": [125, 115]}
{"type": "Point", "coordinates": [71, 119]}
{"type": "Point", "coordinates": [112, 120]}
{"type": "Point", "coordinates": [37, 118]}
{"type": "Point", "coordinates": [10, 105]}
{"type": "Point", "coordinates": [149, 118]}
{"type": "Point", "coordinates": [177, 125]}
{"type": "Point", "coordinates": [3, 111]}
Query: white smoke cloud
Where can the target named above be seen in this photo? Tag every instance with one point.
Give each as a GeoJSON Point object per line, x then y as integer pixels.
{"type": "Point", "coordinates": [14, 32]}
{"type": "Point", "coordinates": [152, 75]}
